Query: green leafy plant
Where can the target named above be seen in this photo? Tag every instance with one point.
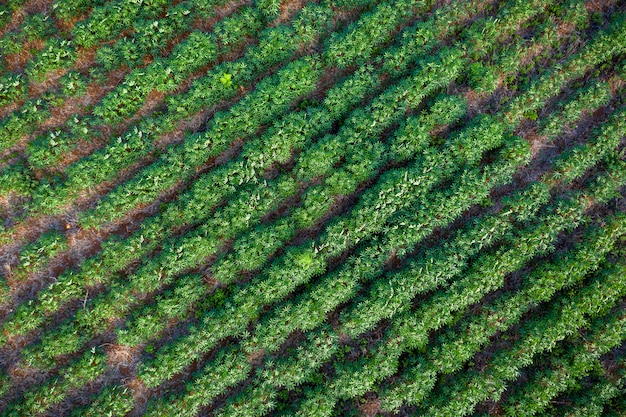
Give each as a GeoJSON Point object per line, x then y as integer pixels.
{"type": "Point", "coordinates": [226, 80]}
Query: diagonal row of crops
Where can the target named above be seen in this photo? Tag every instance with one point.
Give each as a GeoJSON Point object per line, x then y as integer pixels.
{"type": "Point", "coordinates": [312, 208]}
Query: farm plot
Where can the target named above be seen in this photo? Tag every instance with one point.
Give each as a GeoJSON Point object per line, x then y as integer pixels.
{"type": "Point", "coordinates": [312, 208]}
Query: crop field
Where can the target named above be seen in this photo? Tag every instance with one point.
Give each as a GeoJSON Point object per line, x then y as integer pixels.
{"type": "Point", "coordinates": [312, 208]}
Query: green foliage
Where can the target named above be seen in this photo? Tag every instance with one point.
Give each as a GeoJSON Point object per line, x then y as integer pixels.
{"type": "Point", "coordinates": [113, 401]}
{"type": "Point", "coordinates": [46, 151]}
{"type": "Point", "coordinates": [22, 121]}
{"type": "Point", "coordinates": [481, 78]}
{"type": "Point", "coordinates": [5, 15]}
{"type": "Point", "coordinates": [73, 84]}
{"type": "Point", "coordinates": [35, 255]}
{"type": "Point", "coordinates": [38, 26]}
{"type": "Point", "coordinates": [312, 21]}
{"type": "Point", "coordinates": [293, 81]}
{"type": "Point", "coordinates": [269, 8]}
{"type": "Point", "coordinates": [15, 179]}
{"type": "Point", "coordinates": [365, 37]}
{"type": "Point", "coordinates": [68, 9]}
{"type": "Point", "coordinates": [106, 20]}
{"type": "Point", "coordinates": [231, 31]}
{"type": "Point", "coordinates": [291, 208]}
{"type": "Point", "coordinates": [35, 27]}
{"type": "Point", "coordinates": [227, 80]}
{"type": "Point", "coordinates": [175, 304]}
{"type": "Point", "coordinates": [57, 54]}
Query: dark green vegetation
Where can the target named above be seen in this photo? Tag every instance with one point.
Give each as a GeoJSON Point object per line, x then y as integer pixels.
{"type": "Point", "coordinates": [312, 208]}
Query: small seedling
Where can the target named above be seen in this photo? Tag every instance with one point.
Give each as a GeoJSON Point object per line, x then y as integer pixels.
{"type": "Point", "coordinates": [227, 80]}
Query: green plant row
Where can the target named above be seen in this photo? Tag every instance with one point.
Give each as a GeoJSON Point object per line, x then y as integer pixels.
{"type": "Point", "coordinates": [433, 272]}
{"type": "Point", "coordinates": [174, 304]}
{"type": "Point", "coordinates": [301, 25]}
{"type": "Point", "coordinates": [365, 38]}
{"type": "Point", "coordinates": [296, 370]}
{"type": "Point", "coordinates": [307, 316]}
{"type": "Point", "coordinates": [471, 186]}
{"type": "Point", "coordinates": [47, 150]}
{"type": "Point", "coordinates": [179, 104]}
{"type": "Point", "coordinates": [457, 346]}
{"type": "Point", "coordinates": [32, 34]}
{"type": "Point", "coordinates": [13, 87]}
{"type": "Point", "coordinates": [230, 368]}
{"type": "Point", "coordinates": [152, 276]}
{"type": "Point", "coordinates": [56, 54]}
{"type": "Point", "coordinates": [453, 105]}
{"type": "Point", "coordinates": [411, 331]}
{"type": "Point", "coordinates": [65, 10]}
{"type": "Point", "coordinates": [300, 368]}
{"type": "Point", "coordinates": [149, 38]}
{"type": "Point", "coordinates": [583, 157]}
{"type": "Point", "coordinates": [60, 54]}
{"type": "Point", "coordinates": [52, 57]}
{"type": "Point", "coordinates": [283, 372]}
{"type": "Point", "coordinates": [272, 97]}
{"type": "Point", "coordinates": [164, 75]}
{"type": "Point", "coordinates": [275, 45]}
{"type": "Point", "coordinates": [255, 246]}
{"type": "Point", "coordinates": [296, 77]}
{"type": "Point", "coordinates": [566, 372]}
{"type": "Point", "coordinates": [15, 182]}
{"type": "Point", "coordinates": [280, 374]}
{"type": "Point", "coordinates": [112, 401]}
{"type": "Point", "coordinates": [572, 12]}
{"type": "Point", "coordinates": [195, 205]}
{"type": "Point", "coordinates": [149, 282]}
{"type": "Point", "coordinates": [146, 196]}
{"type": "Point", "coordinates": [34, 257]}
{"type": "Point", "coordinates": [299, 264]}
{"type": "Point", "coordinates": [194, 52]}
{"type": "Point", "coordinates": [251, 251]}
{"type": "Point", "coordinates": [5, 15]}
{"type": "Point", "coordinates": [29, 320]}
{"type": "Point", "coordinates": [334, 104]}
{"type": "Point", "coordinates": [593, 96]}
{"type": "Point", "coordinates": [438, 17]}
{"type": "Point", "coordinates": [537, 335]}
{"type": "Point", "coordinates": [313, 162]}
{"type": "Point", "coordinates": [611, 42]}
{"type": "Point", "coordinates": [393, 296]}
{"type": "Point", "coordinates": [91, 365]}
{"type": "Point", "coordinates": [359, 378]}
{"type": "Point", "coordinates": [308, 311]}
{"type": "Point", "coordinates": [604, 398]}
{"type": "Point", "coordinates": [23, 121]}
{"type": "Point", "coordinates": [107, 20]}
{"type": "Point", "coordinates": [296, 268]}
{"type": "Point", "coordinates": [282, 278]}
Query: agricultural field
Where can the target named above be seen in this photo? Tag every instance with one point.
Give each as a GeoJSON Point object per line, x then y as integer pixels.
{"type": "Point", "coordinates": [312, 208]}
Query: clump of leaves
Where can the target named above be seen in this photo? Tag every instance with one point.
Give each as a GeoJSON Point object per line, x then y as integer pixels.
{"type": "Point", "coordinates": [227, 80]}
{"type": "Point", "coordinates": [73, 84]}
